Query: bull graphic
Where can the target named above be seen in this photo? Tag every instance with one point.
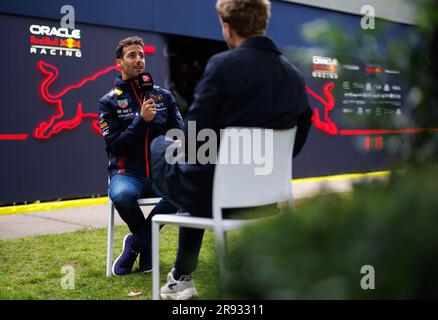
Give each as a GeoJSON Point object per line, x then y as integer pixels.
{"type": "Point", "coordinates": [328, 101]}
{"type": "Point", "coordinates": [62, 121]}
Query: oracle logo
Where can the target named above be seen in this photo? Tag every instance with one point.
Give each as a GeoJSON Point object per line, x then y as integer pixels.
{"type": "Point", "coordinates": [53, 31]}
{"type": "Point", "coordinates": [325, 60]}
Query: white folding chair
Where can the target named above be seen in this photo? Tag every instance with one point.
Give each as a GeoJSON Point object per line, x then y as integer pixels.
{"type": "Point", "coordinates": [110, 239]}
{"type": "Point", "coordinates": [235, 186]}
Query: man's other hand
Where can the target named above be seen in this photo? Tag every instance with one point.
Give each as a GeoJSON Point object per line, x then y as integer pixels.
{"type": "Point", "coordinates": [148, 110]}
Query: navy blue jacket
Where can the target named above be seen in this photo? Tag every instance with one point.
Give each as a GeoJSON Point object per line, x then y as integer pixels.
{"type": "Point", "coordinates": [250, 86]}
{"type": "Point", "coordinates": [127, 135]}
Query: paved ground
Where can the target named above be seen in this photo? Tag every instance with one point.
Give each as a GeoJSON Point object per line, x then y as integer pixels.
{"type": "Point", "coordinates": [71, 219]}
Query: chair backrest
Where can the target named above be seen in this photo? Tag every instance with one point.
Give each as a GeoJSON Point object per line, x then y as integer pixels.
{"type": "Point", "coordinates": [254, 168]}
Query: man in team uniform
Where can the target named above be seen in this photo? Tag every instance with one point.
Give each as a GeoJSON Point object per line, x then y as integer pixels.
{"type": "Point", "coordinates": [129, 122]}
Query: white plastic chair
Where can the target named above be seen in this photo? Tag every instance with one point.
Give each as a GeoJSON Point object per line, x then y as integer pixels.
{"type": "Point", "coordinates": [110, 239]}
{"type": "Point", "coordinates": [235, 186]}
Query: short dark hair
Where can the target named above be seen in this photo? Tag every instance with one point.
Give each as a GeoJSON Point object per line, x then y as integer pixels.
{"type": "Point", "coordinates": [247, 17]}
{"type": "Point", "coordinates": [127, 42]}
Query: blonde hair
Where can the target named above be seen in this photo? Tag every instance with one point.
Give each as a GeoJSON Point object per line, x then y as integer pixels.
{"type": "Point", "coordinates": [247, 17]}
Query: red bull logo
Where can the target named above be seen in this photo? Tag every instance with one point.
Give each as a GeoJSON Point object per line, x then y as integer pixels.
{"type": "Point", "coordinates": [70, 43]}
{"type": "Point", "coordinates": [324, 122]}
{"type": "Point", "coordinates": [68, 115]}
{"type": "Point", "coordinates": [62, 120]}
{"type": "Point", "coordinates": [55, 41]}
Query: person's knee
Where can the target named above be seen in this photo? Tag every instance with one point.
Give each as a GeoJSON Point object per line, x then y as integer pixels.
{"type": "Point", "coordinates": [122, 196]}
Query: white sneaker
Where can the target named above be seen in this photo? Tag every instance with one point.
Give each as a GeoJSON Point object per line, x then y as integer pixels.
{"type": "Point", "coordinates": [182, 289]}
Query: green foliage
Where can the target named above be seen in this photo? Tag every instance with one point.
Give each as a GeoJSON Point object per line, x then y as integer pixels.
{"type": "Point", "coordinates": [318, 251]}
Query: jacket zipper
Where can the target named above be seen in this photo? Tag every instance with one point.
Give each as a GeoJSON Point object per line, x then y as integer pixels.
{"type": "Point", "coordinates": [146, 147]}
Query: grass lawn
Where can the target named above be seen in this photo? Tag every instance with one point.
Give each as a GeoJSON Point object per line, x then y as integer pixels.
{"type": "Point", "coordinates": [30, 268]}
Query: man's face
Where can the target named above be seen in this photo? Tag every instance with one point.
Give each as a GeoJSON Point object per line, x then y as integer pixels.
{"type": "Point", "coordinates": [132, 62]}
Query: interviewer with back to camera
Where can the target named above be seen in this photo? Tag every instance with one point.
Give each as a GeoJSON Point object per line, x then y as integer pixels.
{"type": "Point", "coordinates": [250, 85]}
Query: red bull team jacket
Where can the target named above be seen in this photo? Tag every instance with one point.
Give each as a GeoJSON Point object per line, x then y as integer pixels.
{"type": "Point", "coordinates": [127, 135]}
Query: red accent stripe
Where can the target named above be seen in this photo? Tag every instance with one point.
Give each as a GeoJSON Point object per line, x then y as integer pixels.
{"type": "Point", "coordinates": [383, 131]}
{"type": "Point", "coordinates": [13, 136]}
{"type": "Point", "coordinates": [121, 164]}
{"type": "Point", "coordinates": [146, 147]}
{"type": "Point", "coordinates": [326, 68]}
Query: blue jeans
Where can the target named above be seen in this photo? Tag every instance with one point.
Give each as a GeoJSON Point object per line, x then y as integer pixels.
{"type": "Point", "coordinates": [124, 191]}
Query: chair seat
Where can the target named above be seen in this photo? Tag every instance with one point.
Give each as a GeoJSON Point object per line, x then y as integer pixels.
{"type": "Point", "coordinates": [110, 240]}
{"type": "Point", "coordinates": [185, 220]}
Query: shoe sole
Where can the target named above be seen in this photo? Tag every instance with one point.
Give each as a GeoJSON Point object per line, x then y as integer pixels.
{"type": "Point", "coordinates": [123, 249]}
{"type": "Point", "coordinates": [187, 294]}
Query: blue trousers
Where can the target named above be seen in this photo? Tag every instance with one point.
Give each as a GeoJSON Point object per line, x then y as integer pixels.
{"type": "Point", "coordinates": [124, 191]}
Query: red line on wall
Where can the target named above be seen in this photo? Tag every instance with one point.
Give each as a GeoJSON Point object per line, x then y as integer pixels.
{"type": "Point", "coordinates": [13, 136]}
{"type": "Point", "coordinates": [384, 131]}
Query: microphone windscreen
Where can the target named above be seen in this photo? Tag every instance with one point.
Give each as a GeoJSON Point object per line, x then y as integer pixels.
{"type": "Point", "coordinates": [145, 82]}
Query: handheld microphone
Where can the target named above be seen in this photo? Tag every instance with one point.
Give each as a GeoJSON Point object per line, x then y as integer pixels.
{"type": "Point", "coordinates": [146, 83]}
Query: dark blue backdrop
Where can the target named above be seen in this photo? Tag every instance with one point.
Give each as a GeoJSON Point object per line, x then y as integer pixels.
{"type": "Point", "coordinates": [72, 163]}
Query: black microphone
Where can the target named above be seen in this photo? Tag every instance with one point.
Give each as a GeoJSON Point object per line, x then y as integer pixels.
{"type": "Point", "coordinates": [145, 83]}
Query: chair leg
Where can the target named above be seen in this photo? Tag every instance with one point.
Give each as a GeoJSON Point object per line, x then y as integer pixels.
{"type": "Point", "coordinates": [155, 261]}
{"type": "Point", "coordinates": [110, 240]}
{"type": "Point", "coordinates": [220, 248]}
{"type": "Point", "coordinates": [225, 241]}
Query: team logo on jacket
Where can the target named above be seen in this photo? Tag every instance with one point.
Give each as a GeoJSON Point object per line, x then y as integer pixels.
{"type": "Point", "coordinates": [122, 103]}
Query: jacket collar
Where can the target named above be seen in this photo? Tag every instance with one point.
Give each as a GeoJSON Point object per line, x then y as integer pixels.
{"type": "Point", "coordinates": [127, 85]}
{"type": "Point", "coordinates": [263, 43]}
{"type": "Point", "coordinates": [120, 83]}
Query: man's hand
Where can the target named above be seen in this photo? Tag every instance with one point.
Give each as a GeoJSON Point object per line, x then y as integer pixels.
{"type": "Point", "coordinates": [148, 110]}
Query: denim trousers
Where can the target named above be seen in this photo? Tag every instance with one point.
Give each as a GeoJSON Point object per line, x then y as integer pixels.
{"type": "Point", "coordinates": [124, 191]}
